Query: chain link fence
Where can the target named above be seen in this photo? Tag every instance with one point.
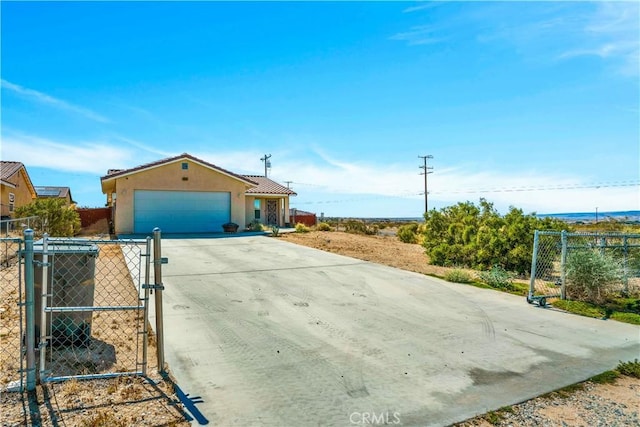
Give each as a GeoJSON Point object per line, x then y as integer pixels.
{"type": "Point", "coordinates": [76, 308]}
{"type": "Point", "coordinates": [91, 316]}
{"type": "Point", "coordinates": [12, 298]}
{"type": "Point", "coordinates": [15, 227]}
{"type": "Point", "coordinates": [554, 251]}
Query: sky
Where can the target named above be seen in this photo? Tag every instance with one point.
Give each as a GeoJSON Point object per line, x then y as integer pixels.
{"type": "Point", "coordinates": [528, 104]}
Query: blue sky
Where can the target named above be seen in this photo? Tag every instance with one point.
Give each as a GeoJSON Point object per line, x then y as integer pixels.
{"type": "Point", "coordinates": [534, 105]}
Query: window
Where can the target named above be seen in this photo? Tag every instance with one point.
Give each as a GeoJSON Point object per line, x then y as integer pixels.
{"type": "Point", "coordinates": [185, 166]}
{"type": "Point", "coordinates": [12, 199]}
{"type": "Point", "coordinates": [256, 208]}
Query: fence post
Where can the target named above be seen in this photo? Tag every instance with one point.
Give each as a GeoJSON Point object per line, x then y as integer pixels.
{"type": "Point", "coordinates": [563, 261]}
{"type": "Point", "coordinates": [44, 302]}
{"type": "Point", "coordinates": [147, 276]}
{"type": "Point", "coordinates": [157, 274]}
{"type": "Point", "coordinates": [30, 308]}
{"type": "Point", "coordinates": [534, 260]}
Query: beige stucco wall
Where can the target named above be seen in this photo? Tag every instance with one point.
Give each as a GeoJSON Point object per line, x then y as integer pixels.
{"type": "Point", "coordinates": [22, 194]}
{"type": "Point", "coordinates": [170, 177]}
{"type": "Point", "coordinates": [283, 208]}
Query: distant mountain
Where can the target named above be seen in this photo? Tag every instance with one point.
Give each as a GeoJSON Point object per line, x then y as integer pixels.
{"type": "Point", "coordinates": [630, 216]}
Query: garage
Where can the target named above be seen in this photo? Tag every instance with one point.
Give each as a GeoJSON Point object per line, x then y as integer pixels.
{"type": "Point", "coordinates": [180, 211]}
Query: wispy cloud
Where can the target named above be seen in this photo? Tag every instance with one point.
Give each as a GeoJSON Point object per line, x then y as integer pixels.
{"type": "Point", "coordinates": [612, 32]}
{"type": "Point", "coordinates": [420, 35]}
{"type": "Point", "coordinates": [72, 156]}
{"type": "Point", "coordinates": [43, 98]}
{"type": "Point", "coordinates": [423, 5]}
{"type": "Point", "coordinates": [548, 31]}
{"type": "Point", "coordinates": [145, 147]}
{"type": "Point", "coordinates": [538, 191]}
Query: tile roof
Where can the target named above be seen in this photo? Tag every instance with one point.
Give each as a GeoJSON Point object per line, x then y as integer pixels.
{"type": "Point", "coordinates": [114, 173]}
{"type": "Point", "coordinates": [267, 186]}
{"type": "Point", "coordinates": [8, 169]}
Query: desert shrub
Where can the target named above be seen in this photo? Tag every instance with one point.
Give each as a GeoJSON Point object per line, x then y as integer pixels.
{"type": "Point", "coordinates": [301, 228]}
{"type": "Point", "coordinates": [323, 226]}
{"type": "Point", "coordinates": [255, 225]}
{"type": "Point", "coordinates": [54, 217]}
{"type": "Point", "coordinates": [458, 276]}
{"type": "Point", "coordinates": [592, 276]}
{"type": "Point", "coordinates": [275, 230]}
{"type": "Point", "coordinates": [360, 227]}
{"type": "Point", "coordinates": [408, 233]}
{"type": "Point", "coordinates": [497, 277]}
{"type": "Point", "coordinates": [479, 237]}
{"type": "Point", "coordinates": [630, 369]}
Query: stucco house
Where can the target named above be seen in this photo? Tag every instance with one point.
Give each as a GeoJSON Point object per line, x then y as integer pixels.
{"type": "Point", "coordinates": [16, 188]}
{"type": "Point", "coordinates": [184, 194]}
{"type": "Point", "coordinates": [49, 192]}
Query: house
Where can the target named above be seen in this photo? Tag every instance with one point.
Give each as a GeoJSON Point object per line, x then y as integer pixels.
{"type": "Point", "coordinates": [267, 202]}
{"type": "Point", "coordinates": [58, 192]}
{"type": "Point", "coordinates": [184, 194]}
{"type": "Point", "coordinates": [16, 189]}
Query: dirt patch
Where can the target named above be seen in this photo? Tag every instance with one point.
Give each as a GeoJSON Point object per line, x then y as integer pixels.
{"type": "Point", "coordinates": [593, 404]}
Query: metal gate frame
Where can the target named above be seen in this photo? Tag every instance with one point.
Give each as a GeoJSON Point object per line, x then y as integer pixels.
{"type": "Point", "coordinates": [548, 267]}
{"type": "Point", "coordinates": [28, 347]}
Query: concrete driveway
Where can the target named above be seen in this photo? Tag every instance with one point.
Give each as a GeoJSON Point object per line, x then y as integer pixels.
{"type": "Point", "coordinates": [272, 333]}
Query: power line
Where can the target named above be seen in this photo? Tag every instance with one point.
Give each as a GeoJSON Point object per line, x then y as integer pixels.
{"type": "Point", "coordinates": [408, 195]}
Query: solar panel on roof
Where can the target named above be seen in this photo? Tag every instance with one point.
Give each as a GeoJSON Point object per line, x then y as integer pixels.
{"type": "Point", "coordinates": [48, 192]}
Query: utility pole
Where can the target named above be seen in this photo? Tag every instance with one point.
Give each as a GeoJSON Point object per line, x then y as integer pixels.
{"type": "Point", "coordinates": [288, 182]}
{"type": "Point", "coordinates": [267, 163]}
{"type": "Point", "coordinates": [426, 171]}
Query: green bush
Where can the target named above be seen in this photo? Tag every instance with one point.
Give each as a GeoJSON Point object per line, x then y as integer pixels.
{"type": "Point", "coordinates": [458, 276]}
{"type": "Point", "coordinates": [54, 217]}
{"type": "Point", "coordinates": [323, 226]}
{"type": "Point", "coordinates": [497, 277]}
{"type": "Point", "coordinates": [408, 233]}
{"type": "Point", "coordinates": [592, 276]}
{"type": "Point", "coordinates": [479, 237]}
{"type": "Point", "coordinates": [301, 228]}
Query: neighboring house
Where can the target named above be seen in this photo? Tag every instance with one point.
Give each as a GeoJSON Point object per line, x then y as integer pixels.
{"type": "Point", "coordinates": [16, 189]}
{"type": "Point", "coordinates": [57, 192]}
{"type": "Point", "coordinates": [184, 194]}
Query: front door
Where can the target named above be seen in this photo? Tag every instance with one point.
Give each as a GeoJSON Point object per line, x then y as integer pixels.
{"type": "Point", "coordinates": [272, 212]}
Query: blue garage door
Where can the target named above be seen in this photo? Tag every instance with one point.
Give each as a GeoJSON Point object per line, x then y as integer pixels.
{"type": "Point", "coordinates": [180, 211]}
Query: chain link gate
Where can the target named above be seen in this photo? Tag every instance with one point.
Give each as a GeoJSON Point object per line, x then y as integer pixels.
{"type": "Point", "coordinates": [91, 307]}
{"type": "Point", "coordinates": [552, 248]}
{"type": "Point", "coordinates": [12, 314]}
